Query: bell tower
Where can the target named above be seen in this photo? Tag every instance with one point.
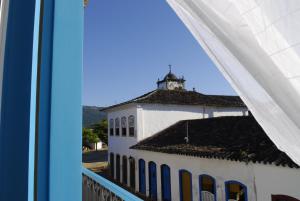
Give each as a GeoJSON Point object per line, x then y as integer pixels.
{"type": "Point", "coordinates": [171, 82]}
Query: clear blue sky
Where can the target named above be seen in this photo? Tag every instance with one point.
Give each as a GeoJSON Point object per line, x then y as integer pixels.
{"type": "Point", "coordinates": [129, 44]}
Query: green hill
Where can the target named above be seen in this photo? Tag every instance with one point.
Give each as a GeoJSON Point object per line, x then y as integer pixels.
{"type": "Point", "coordinates": [92, 115]}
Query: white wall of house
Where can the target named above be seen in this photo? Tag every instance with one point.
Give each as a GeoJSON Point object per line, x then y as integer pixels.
{"type": "Point", "coordinates": [96, 146]}
{"type": "Point", "coordinates": [157, 117]}
{"type": "Point", "coordinates": [152, 118]}
{"type": "Point", "coordinates": [261, 180]}
{"type": "Point", "coordinates": [277, 181]}
{"type": "Point", "coordinates": [120, 144]}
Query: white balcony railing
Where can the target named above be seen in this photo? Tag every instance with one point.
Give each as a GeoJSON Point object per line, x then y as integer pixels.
{"type": "Point", "coordinates": [97, 188]}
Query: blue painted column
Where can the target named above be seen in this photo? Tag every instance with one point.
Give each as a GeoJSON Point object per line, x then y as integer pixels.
{"type": "Point", "coordinates": [66, 107]}
{"type": "Point", "coordinates": [40, 130]}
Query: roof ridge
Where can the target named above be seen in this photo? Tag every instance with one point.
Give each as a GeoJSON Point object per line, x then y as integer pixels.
{"type": "Point", "coordinates": [144, 96]}
{"type": "Point", "coordinates": [174, 97]}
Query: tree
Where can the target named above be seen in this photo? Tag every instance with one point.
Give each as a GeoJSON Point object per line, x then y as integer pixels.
{"type": "Point", "coordinates": [88, 136]}
{"type": "Point", "coordinates": [100, 130]}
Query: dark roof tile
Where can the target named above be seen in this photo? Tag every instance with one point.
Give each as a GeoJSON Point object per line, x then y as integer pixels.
{"type": "Point", "coordinates": [231, 138]}
{"type": "Point", "coordinates": [182, 97]}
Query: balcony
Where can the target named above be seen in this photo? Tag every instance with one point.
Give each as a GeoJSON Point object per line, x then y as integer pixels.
{"type": "Point", "coordinates": [97, 188]}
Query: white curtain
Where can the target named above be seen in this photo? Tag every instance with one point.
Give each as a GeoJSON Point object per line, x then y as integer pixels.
{"type": "Point", "coordinates": [256, 46]}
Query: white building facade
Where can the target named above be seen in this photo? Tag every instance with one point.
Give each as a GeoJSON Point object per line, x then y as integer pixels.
{"type": "Point", "coordinates": [268, 178]}
{"type": "Point", "coordinates": [261, 181]}
{"type": "Point", "coordinates": [143, 118]}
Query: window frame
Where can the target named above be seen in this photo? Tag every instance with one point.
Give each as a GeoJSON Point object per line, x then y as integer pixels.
{"type": "Point", "coordinates": [162, 180]}
{"type": "Point", "coordinates": [117, 126]}
{"type": "Point", "coordinates": [118, 168]}
{"type": "Point", "coordinates": [131, 128]}
{"type": "Point", "coordinates": [112, 164]}
{"type": "Point", "coordinates": [214, 185]}
{"type": "Point", "coordinates": [132, 163]}
{"type": "Point", "coordinates": [123, 126]}
{"type": "Point", "coordinates": [180, 183]}
{"type": "Point", "coordinates": [125, 170]}
{"type": "Point", "coordinates": [235, 182]}
{"type": "Point", "coordinates": [51, 47]}
{"type": "Point", "coordinates": [141, 163]}
{"type": "Point", "coordinates": [155, 192]}
{"type": "Point", "coordinates": [111, 127]}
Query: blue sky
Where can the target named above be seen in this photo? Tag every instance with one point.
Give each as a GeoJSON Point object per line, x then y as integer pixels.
{"type": "Point", "coordinates": [129, 44]}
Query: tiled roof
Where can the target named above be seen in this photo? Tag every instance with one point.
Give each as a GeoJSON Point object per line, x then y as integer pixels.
{"type": "Point", "coordinates": [230, 138]}
{"type": "Point", "coordinates": [182, 97]}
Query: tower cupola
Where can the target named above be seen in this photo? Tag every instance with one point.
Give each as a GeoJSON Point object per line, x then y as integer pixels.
{"type": "Point", "coordinates": [171, 82]}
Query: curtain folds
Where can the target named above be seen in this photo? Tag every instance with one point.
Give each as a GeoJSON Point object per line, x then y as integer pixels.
{"type": "Point", "coordinates": [256, 46]}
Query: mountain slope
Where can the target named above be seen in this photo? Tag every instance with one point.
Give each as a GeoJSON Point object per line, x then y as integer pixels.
{"type": "Point", "coordinates": [92, 115]}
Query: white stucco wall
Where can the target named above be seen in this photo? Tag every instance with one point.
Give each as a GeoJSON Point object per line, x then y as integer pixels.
{"type": "Point", "coordinates": [277, 181]}
{"type": "Point", "coordinates": [152, 118]}
{"type": "Point", "coordinates": [157, 117]}
{"type": "Point", "coordinates": [261, 180]}
{"type": "Point", "coordinates": [120, 144]}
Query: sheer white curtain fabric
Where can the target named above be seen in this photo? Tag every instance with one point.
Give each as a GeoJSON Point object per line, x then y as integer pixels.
{"type": "Point", "coordinates": [256, 46]}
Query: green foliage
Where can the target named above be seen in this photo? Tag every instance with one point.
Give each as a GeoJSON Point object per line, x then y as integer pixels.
{"type": "Point", "coordinates": [92, 115]}
{"type": "Point", "coordinates": [88, 136]}
{"type": "Point", "coordinates": [100, 129]}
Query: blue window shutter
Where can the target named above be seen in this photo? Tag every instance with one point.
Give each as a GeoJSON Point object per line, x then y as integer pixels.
{"type": "Point", "coordinates": [17, 127]}
{"type": "Point", "coordinates": [40, 130]}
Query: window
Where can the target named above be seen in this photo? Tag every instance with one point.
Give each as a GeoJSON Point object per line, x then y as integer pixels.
{"type": "Point", "coordinates": [117, 125]}
{"type": "Point", "coordinates": [142, 176]}
{"type": "Point", "coordinates": [165, 183]}
{"type": "Point", "coordinates": [124, 126]}
{"type": "Point", "coordinates": [132, 172]}
{"type": "Point", "coordinates": [131, 125]}
{"type": "Point", "coordinates": [124, 167]}
{"type": "Point", "coordinates": [207, 188]}
{"type": "Point", "coordinates": [235, 191]}
{"type": "Point", "coordinates": [111, 127]}
{"type": "Point", "coordinates": [152, 180]}
{"type": "Point", "coordinates": [185, 185]}
{"type": "Point", "coordinates": [118, 168]}
{"type": "Point", "coordinates": [112, 165]}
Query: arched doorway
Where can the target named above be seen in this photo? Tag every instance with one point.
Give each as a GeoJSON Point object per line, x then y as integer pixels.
{"type": "Point", "coordinates": [124, 170]}
{"type": "Point", "coordinates": [142, 177]}
{"type": "Point", "coordinates": [235, 191]}
{"type": "Point", "coordinates": [283, 198]}
{"type": "Point", "coordinates": [207, 188]}
{"type": "Point", "coordinates": [132, 172]}
{"type": "Point", "coordinates": [165, 183]}
{"type": "Point", "coordinates": [152, 181]}
{"type": "Point", "coordinates": [112, 165]}
{"type": "Point", "coordinates": [118, 168]}
{"type": "Point", "coordinates": [185, 185]}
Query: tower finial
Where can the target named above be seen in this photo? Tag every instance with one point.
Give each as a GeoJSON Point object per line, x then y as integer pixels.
{"type": "Point", "coordinates": [170, 68]}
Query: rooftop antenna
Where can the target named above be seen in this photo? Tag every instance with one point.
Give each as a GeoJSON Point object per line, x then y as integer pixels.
{"type": "Point", "coordinates": [187, 132]}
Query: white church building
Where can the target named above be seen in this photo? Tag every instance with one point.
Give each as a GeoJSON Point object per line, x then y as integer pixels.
{"type": "Point", "coordinates": [180, 145]}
